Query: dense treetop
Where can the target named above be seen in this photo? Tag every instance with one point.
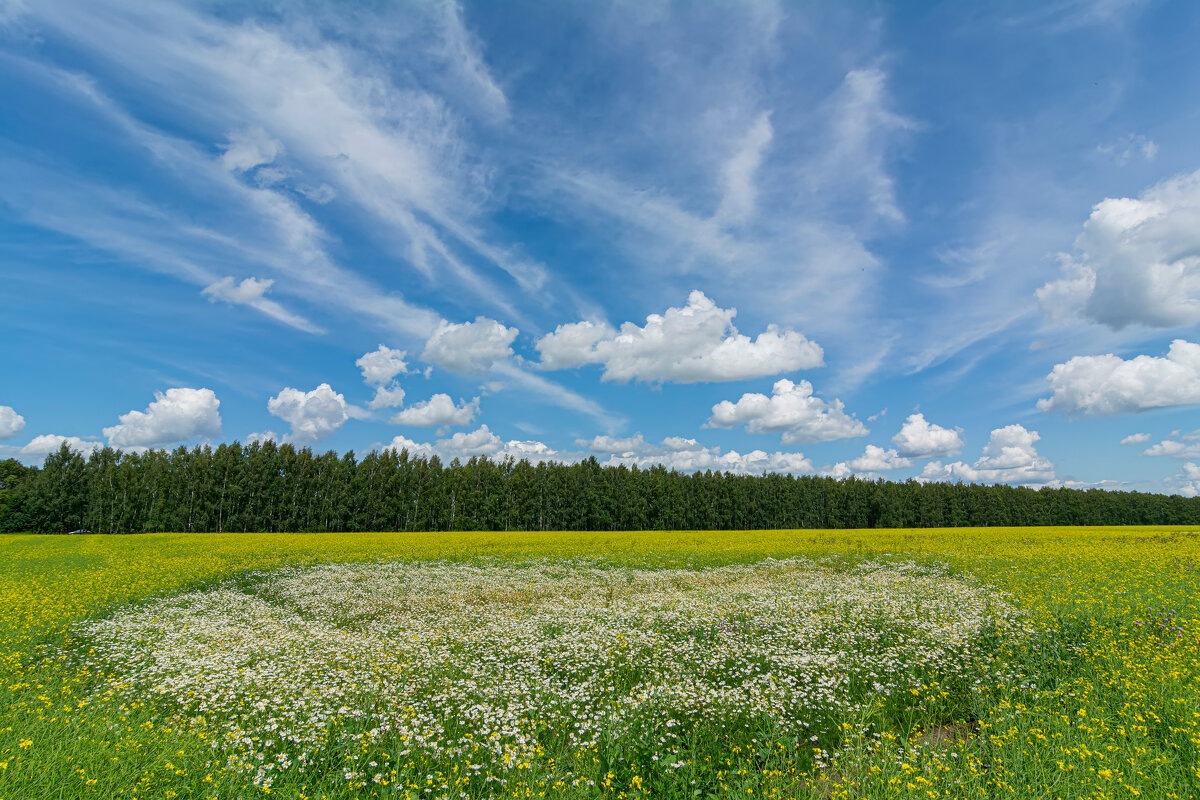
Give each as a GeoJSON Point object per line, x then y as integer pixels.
{"type": "Point", "coordinates": [269, 487]}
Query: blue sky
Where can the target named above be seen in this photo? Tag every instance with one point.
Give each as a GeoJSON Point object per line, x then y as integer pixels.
{"type": "Point", "coordinates": [949, 241]}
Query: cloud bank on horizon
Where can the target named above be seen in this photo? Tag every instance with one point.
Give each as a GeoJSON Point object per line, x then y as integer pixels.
{"type": "Point", "coordinates": [729, 237]}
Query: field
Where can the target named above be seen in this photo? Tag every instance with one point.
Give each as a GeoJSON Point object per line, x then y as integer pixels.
{"type": "Point", "coordinates": [934, 663]}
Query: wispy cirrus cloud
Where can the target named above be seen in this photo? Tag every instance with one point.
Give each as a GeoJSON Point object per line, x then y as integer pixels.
{"type": "Point", "coordinates": [322, 114]}
{"type": "Point", "coordinates": [261, 229]}
{"type": "Point", "coordinates": [252, 292]}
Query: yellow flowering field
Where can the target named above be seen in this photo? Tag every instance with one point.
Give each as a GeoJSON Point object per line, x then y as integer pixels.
{"type": "Point", "coordinates": [1023, 662]}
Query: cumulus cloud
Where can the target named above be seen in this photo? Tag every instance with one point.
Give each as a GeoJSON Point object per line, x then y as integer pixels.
{"type": "Point", "coordinates": [252, 292]}
{"type": "Point", "coordinates": [1137, 261]}
{"type": "Point", "coordinates": [388, 396]}
{"type": "Point", "coordinates": [1175, 449]}
{"type": "Point", "coordinates": [1176, 445]}
{"type": "Point", "coordinates": [436, 411]}
{"type": "Point", "coordinates": [379, 369]}
{"type": "Point", "coordinates": [688, 455]}
{"type": "Point", "coordinates": [43, 445]}
{"type": "Point", "coordinates": [415, 449]}
{"type": "Point", "coordinates": [921, 439]}
{"type": "Point", "coordinates": [674, 452]}
{"type": "Point", "coordinates": [381, 365]}
{"type": "Point", "coordinates": [1009, 457]}
{"type": "Point", "coordinates": [1136, 438]}
{"type": "Point", "coordinates": [312, 415]}
{"type": "Point", "coordinates": [692, 344]}
{"type": "Point", "coordinates": [793, 410]}
{"type": "Point", "coordinates": [175, 416]}
{"type": "Point", "coordinates": [480, 442]}
{"type": "Point", "coordinates": [11, 423]}
{"type": "Point", "coordinates": [1107, 384]}
{"type": "Point", "coordinates": [262, 437]}
{"type": "Point", "coordinates": [469, 346]}
{"type": "Point", "coordinates": [618, 445]}
{"type": "Point", "coordinates": [876, 459]}
{"type": "Point", "coordinates": [1188, 480]}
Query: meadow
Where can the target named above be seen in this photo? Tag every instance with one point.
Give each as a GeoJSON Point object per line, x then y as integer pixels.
{"type": "Point", "coordinates": [930, 663]}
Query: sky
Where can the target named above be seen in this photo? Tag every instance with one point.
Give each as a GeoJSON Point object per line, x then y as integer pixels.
{"type": "Point", "coordinates": [943, 241]}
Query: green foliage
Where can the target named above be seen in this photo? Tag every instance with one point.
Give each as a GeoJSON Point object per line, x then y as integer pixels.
{"type": "Point", "coordinates": [269, 487]}
{"type": "Point", "coordinates": [13, 476]}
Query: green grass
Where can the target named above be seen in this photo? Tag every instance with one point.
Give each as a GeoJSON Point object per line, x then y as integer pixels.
{"type": "Point", "coordinates": [1101, 701]}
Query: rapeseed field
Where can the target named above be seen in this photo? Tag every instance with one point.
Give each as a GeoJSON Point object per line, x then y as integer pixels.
{"type": "Point", "coordinates": [930, 663]}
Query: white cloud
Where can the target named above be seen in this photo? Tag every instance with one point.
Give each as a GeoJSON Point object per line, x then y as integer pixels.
{"type": "Point", "coordinates": [480, 442]}
{"type": "Point", "coordinates": [1009, 457]}
{"type": "Point", "coordinates": [415, 449]}
{"type": "Point", "coordinates": [1136, 438]}
{"type": "Point", "coordinates": [1137, 261]}
{"type": "Point", "coordinates": [436, 411]}
{"type": "Point", "coordinates": [1129, 147]}
{"type": "Point", "coordinates": [321, 194]}
{"type": "Point", "coordinates": [1188, 480]}
{"type": "Point", "coordinates": [248, 149]}
{"type": "Point", "coordinates": [792, 410]}
{"type": "Point", "coordinates": [174, 416]}
{"type": "Point", "coordinates": [44, 444]}
{"type": "Point", "coordinates": [11, 423]}
{"type": "Point", "coordinates": [382, 365]}
{"type": "Point", "coordinates": [738, 173]}
{"type": "Point", "coordinates": [533, 451]}
{"type": "Point", "coordinates": [312, 415]}
{"type": "Point", "coordinates": [548, 391]}
{"type": "Point", "coordinates": [873, 461]}
{"type": "Point", "coordinates": [863, 127]}
{"type": "Point", "coordinates": [618, 445]}
{"type": "Point", "coordinates": [1176, 445]}
{"type": "Point", "coordinates": [251, 292]}
{"type": "Point", "coordinates": [674, 452]}
{"type": "Point", "coordinates": [379, 367]}
{"type": "Point", "coordinates": [379, 138]}
{"type": "Point", "coordinates": [686, 345]}
{"type": "Point", "coordinates": [461, 53]}
{"type": "Point", "coordinates": [876, 459]}
{"type": "Point", "coordinates": [572, 344]}
{"type": "Point", "coordinates": [1174, 449]}
{"type": "Point", "coordinates": [261, 437]}
{"type": "Point", "coordinates": [920, 439]}
{"type": "Point", "coordinates": [1107, 384]}
{"type": "Point", "coordinates": [688, 455]}
{"type": "Point", "coordinates": [388, 396]}
{"type": "Point", "coordinates": [801, 261]}
{"type": "Point", "coordinates": [469, 346]}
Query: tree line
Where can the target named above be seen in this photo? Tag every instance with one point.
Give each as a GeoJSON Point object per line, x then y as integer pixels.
{"type": "Point", "coordinates": [270, 487]}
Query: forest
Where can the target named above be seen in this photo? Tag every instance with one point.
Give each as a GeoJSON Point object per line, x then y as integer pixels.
{"type": "Point", "coordinates": [270, 487]}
